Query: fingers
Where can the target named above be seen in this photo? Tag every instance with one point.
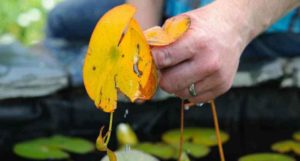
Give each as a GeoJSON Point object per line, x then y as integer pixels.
{"type": "Point", "coordinates": [206, 89]}
{"type": "Point", "coordinates": [172, 54]}
{"type": "Point", "coordinates": [182, 75]}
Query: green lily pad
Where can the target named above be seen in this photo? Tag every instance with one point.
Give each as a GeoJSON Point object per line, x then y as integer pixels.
{"type": "Point", "coordinates": [160, 150]}
{"type": "Point", "coordinates": [286, 147]}
{"type": "Point", "coordinates": [132, 155]}
{"type": "Point", "coordinates": [296, 136]}
{"type": "Point", "coordinates": [38, 149]}
{"type": "Point", "coordinates": [125, 135]}
{"type": "Point", "coordinates": [196, 150]}
{"type": "Point", "coordinates": [204, 136]}
{"type": "Point", "coordinates": [266, 157]}
{"type": "Point", "coordinates": [52, 148]}
{"type": "Point", "coordinates": [71, 144]}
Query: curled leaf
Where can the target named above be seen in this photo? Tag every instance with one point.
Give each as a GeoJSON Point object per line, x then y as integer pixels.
{"type": "Point", "coordinates": [100, 142]}
{"type": "Point", "coordinates": [111, 155]}
{"type": "Point", "coordinates": [171, 31]}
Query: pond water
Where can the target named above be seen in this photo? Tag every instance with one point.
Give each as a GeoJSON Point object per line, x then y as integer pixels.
{"type": "Point", "coordinates": [254, 120]}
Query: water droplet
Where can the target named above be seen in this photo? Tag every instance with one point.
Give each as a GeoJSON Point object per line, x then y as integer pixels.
{"type": "Point", "coordinates": [187, 107]}
{"type": "Point", "coordinates": [127, 148]}
{"type": "Point", "coordinates": [126, 113]}
{"type": "Point", "coordinates": [200, 104]}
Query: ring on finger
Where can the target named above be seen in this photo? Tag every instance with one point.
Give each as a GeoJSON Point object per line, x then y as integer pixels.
{"type": "Point", "coordinates": [192, 90]}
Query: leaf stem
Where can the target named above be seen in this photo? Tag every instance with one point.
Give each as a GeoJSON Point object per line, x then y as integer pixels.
{"type": "Point", "coordinates": [181, 130]}
{"type": "Point", "coordinates": [216, 122]}
{"type": "Point", "coordinates": [109, 128]}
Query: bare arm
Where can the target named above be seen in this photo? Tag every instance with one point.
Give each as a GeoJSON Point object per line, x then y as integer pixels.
{"type": "Point", "coordinates": [148, 12]}
{"type": "Point", "coordinates": [258, 15]}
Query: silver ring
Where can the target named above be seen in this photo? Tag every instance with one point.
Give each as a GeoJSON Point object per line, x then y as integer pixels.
{"type": "Point", "coordinates": [192, 90]}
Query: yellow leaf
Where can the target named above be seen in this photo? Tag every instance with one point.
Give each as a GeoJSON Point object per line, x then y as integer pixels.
{"type": "Point", "coordinates": [100, 145]}
{"type": "Point", "coordinates": [118, 59]}
{"type": "Point", "coordinates": [171, 31]}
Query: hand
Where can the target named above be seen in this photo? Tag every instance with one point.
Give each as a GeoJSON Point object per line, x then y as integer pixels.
{"type": "Point", "coordinates": [207, 55]}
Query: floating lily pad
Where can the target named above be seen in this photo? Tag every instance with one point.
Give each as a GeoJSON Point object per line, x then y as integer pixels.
{"type": "Point", "coordinates": [296, 136]}
{"type": "Point", "coordinates": [132, 155]}
{"type": "Point", "coordinates": [39, 149]}
{"type": "Point", "coordinates": [71, 144]}
{"type": "Point", "coordinates": [160, 150]}
{"type": "Point", "coordinates": [287, 146]}
{"type": "Point", "coordinates": [125, 135]}
{"type": "Point", "coordinates": [266, 157]}
{"type": "Point", "coordinates": [204, 136]}
{"type": "Point", "coordinates": [196, 150]}
{"type": "Point", "coordinates": [52, 148]}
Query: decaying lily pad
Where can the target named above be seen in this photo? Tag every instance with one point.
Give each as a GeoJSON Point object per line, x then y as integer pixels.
{"type": "Point", "coordinates": [125, 135]}
{"type": "Point", "coordinates": [266, 157]}
{"type": "Point", "coordinates": [132, 155]}
{"type": "Point", "coordinates": [160, 150]}
{"type": "Point", "coordinates": [52, 148]}
{"type": "Point", "coordinates": [296, 136]}
{"type": "Point", "coordinates": [287, 146]}
{"type": "Point", "coordinates": [204, 136]}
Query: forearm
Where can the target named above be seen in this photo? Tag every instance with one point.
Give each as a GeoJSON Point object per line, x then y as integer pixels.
{"type": "Point", "coordinates": [148, 12]}
{"type": "Point", "coordinates": [256, 16]}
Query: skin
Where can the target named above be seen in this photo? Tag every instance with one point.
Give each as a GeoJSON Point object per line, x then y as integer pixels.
{"type": "Point", "coordinates": [208, 53]}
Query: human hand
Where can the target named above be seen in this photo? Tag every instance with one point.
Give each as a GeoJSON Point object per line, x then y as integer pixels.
{"type": "Point", "coordinates": [207, 54]}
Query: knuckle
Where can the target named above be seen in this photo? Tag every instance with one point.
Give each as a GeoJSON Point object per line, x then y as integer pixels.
{"type": "Point", "coordinates": [214, 65]}
{"type": "Point", "coordinates": [162, 58]}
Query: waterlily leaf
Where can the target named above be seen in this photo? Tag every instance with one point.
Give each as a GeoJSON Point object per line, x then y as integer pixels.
{"type": "Point", "coordinates": [52, 148]}
{"type": "Point", "coordinates": [160, 150]}
{"type": "Point", "coordinates": [132, 155]}
{"type": "Point", "coordinates": [266, 157]}
{"type": "Point", "coordinates": [204, 136]}
{"type": "Point", "coordinates": [177, 26]}
{"type": "Point", "coordinates": [125, 135]}
{"type": "Point", "coordinates": [39, 149]}
{"type": "Point", "coordinates": [196, 150]}
{"type": "Point", "coordinates": [172, 30]}
{"type": "Point", "coordinates": [118, 59]}
{"type": "Point", "coordinates": [286, 147]}
{"type": "Point", "coordinates": [72, 144]}
{"type": "Point", "coordinates": [296, 136]}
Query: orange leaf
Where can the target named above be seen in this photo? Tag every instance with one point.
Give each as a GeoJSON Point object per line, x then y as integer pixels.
{"type": "Point", "coordinates": [118, 59]}
{"type": "Point", "coordinates": [171, 31]}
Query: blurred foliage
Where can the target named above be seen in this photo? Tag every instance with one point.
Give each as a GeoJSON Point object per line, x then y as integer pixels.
{"type": "Point", "coordinates": [24, 20]}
